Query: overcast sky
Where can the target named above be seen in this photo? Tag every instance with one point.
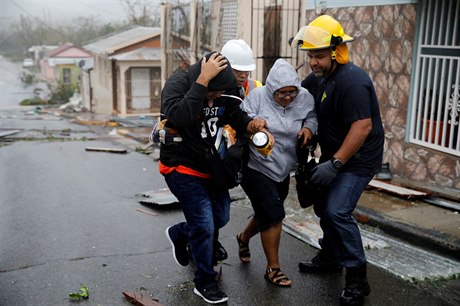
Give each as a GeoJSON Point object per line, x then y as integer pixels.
{"type": "Point", "coordinates": [56, 10]}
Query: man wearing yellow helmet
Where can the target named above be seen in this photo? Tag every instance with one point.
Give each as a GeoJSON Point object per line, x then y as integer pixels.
{"type": "Point", "coordinates": [351, 137]}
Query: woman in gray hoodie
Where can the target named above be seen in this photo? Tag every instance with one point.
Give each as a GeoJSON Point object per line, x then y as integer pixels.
{"type": "Point", "coordinates": [289, 112]}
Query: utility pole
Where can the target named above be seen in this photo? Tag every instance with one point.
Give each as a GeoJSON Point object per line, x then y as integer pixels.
{"type": "Point", "coordinates": [195, 16]}
{"type": "Point", "coordinates": [166, 43]}
{"type": "Point", "coordinates": [216, 29]}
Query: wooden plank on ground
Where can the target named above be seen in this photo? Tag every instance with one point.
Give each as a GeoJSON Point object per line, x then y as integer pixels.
{"type": "Point", "coordinates": [398, 190]}
{"type": "Point", "coordinates": [108, 150]}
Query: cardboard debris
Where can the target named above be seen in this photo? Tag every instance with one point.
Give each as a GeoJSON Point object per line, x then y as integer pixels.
{"type": "Point", "coordinates": [109, 150]}
{"type": "Point", "coordinates": [398, 190]}
{"type": "Point", "coordinates": [141, 299]}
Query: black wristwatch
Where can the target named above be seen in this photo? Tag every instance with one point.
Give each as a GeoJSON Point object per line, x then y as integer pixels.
{"type": "Point", "coordinates": [337, 163]}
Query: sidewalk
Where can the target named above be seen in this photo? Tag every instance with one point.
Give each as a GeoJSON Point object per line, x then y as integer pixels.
{"type": "Point", "coordinates": [421, 224]}
{"type": "Point", "coordinates": [417, 222]}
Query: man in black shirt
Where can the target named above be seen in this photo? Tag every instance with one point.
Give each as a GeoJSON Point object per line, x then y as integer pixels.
{"type": "Point", "coordinates": [351, 137]}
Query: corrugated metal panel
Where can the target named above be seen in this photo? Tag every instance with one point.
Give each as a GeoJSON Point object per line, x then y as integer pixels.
{"type": "Point", "coordinates": [118, 41]}
{"type": "Point", "coordinates": [322, 4]}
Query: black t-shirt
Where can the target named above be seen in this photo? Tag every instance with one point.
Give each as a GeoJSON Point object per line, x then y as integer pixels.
{"type": "Point", "coordinates": [346, 96]}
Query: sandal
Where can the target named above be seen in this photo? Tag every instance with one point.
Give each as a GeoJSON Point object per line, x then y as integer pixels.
{"type": "Point", "coordinates": [243, 251]}
{"type": "Point", "coordinates": [277, 277]}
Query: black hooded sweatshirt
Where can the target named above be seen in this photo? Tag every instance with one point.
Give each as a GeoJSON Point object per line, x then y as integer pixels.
{"type": "Point", "coordinates": [184, 104]}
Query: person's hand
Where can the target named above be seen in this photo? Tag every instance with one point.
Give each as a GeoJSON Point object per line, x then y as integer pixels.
{"type": "Point", "coordinates": [324, 173]}
{"type": "Point", "coordinates": [256, 125]}
{"type": "Point", "coordinates": [307, 136]}
{"type": "Point", "coordinates": [211, 67]}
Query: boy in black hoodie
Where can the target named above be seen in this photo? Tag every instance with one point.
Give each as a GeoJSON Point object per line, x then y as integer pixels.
{"type": "Point", "coordinates": [190, 100]}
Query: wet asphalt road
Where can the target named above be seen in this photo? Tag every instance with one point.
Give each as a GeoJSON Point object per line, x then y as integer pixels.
{"type": "Point", "coordinates": [69, 217]}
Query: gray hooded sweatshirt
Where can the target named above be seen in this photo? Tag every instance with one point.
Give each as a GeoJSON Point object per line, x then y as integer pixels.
{"type": "Point", "coordinates": [283, 122]}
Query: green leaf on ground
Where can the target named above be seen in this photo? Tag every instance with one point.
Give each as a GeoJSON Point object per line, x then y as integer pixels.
{"type": "Point", "coordinates": [83, 293]}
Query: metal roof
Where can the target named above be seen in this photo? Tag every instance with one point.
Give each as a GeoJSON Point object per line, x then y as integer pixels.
{"type": "Point", "coordinates": [141, 54]}
{"type": "Point", "coordinates": [115, 42]}
{"type": "Point", "coordinates": [59, 49]}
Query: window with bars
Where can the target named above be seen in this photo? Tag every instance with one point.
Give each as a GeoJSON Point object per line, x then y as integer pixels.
{"type": "Point", "coordinates": [435, 105]}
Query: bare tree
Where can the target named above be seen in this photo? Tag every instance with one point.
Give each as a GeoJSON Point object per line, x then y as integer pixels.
{"type": "Point", "coordinates": [142, 12]}
{"type": "Point", "coordinates": [29, 31]}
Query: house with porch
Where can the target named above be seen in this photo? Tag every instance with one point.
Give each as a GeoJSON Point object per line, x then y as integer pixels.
{"type": "Point", "coordinates": [125, 78]}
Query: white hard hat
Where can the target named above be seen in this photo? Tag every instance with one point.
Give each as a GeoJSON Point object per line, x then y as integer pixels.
{"type": "Point", "coordinates": [239, 55]}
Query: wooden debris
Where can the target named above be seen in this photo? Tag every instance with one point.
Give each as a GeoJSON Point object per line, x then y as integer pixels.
{"type": "Point", "coordinates": [109, 150]}
{"type": "Point", "coordinates": [218, 269]}
{"type": "Point", "coordinates": [398, 190]}
{"type": "Point", "coordinates": [147, 212]}
{"type": "Point", "coordinates": [95, 123]}
{"type": "Point", "coordinates": [141, 299]}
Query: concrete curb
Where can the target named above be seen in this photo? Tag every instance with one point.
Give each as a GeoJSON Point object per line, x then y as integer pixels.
{"type": "Point", "coordinates": [441, 243]}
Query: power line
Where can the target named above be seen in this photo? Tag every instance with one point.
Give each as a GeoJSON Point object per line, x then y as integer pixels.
{"type": "Point", "coordinates": [37, 19]}
{"type": "Point", "coordinates": [97, 8]}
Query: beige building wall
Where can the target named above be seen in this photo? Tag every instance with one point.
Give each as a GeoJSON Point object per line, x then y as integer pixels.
{"type": "Point", "coordinates": [102, 86]}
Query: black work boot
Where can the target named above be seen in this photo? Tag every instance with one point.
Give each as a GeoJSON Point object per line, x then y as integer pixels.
{"type": "Point", "coordinates": [321, 263]}
{"type": "Point", "coordinates": [356, 286]}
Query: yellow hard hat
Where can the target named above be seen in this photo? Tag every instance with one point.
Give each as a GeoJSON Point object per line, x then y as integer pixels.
{"type": "Point", "coordinates": [323, 32]}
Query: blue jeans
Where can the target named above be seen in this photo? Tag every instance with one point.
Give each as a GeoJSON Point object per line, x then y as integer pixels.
{"type": "Point", "coordinates": [341, 234]}
{"type": "Point", "coordinates": [204, 211]}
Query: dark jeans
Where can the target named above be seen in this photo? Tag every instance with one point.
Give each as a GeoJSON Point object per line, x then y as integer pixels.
{"type": "Point", "coordinates": [340, 231]}
{"type": "Point", "coordinates": [204, 212]}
